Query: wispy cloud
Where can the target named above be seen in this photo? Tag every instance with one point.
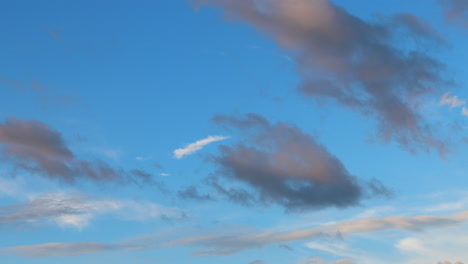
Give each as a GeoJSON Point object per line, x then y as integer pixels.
{"type": "Point", "coordinates": [464, 111]}
{"type": "Point", "coordinates": [226, 242]}
{"type": "Point", "coordinates": [141, 158]}
{"type": "Point", "coordinates": [198, 145]}
{"type": "Point", "coordinates": [451, 100]}
{"type": "Point", "coordinates": [77, 210]}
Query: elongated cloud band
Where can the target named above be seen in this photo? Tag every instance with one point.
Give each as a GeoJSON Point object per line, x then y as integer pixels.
{"type": "Point", "coordinates": [233, 241]}
{"type": "Point", "coordinates": [198, 145]}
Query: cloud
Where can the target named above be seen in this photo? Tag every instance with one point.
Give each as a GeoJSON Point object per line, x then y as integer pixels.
{"type": "Point", "coordinates": [35, 147]}
{"type": "Point", "coordinates": [230, 241]}
{"type": "Point", "coordinates": [287, 167]}
{"type": "Point", "coordinates": [198, 145]}
{"type": "Point", "coordinates": [456, 11]}
{"type": "Point", "coordinates": [318, 260]}
{"type": "Point", "coordinates": [447, 247]}
{"type": "Point", "coordinates": [140, 158]}
{"type": "Point", "coordinates": [233, 241]}
{"type": "Point", "coordinates": [379, 68]}
{"type": "Point", "coordinates": [464, 111]}
{"type": "Point", "coordinates": [451, 100]}
{"type": "Point", "coordinates": [58, 249]}
{"type": "Point", "coordinates": [192, 193]}
{"type": "Point", "coordinates": [77, 210]}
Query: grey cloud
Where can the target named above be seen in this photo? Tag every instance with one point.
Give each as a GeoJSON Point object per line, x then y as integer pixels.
{"type": "Point", "coordinates": [192, 193]}
{"type": "Point", "coordinates": [456, 11]}
{"type": "Point", "coordinates": [35, 147]}
{"type": "Point", "coordinates": [286, 247]}
{"type": "Point", "coordinates": [234, 194]}
{"type": "Point", "coordinates": [288, 167]}
{"type": "Point", "coordinates": [379, 68]}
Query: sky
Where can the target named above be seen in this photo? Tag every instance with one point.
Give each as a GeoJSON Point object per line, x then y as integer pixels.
{"type": "Point", "coordinates": [234, 131]}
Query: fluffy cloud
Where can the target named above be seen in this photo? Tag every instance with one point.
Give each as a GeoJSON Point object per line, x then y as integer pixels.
{"type": "Point", "coordinates": [198, 145]}
{"type": "Point", "coordinates": [35, 147]}
{"type": "Point", "coordinates": [286, 166]}
{"type": "Point", "coordinates": [366, 66]}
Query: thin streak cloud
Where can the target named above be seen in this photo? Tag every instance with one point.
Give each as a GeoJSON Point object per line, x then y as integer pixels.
{"type": "Point", "coordinates": [196, 146]}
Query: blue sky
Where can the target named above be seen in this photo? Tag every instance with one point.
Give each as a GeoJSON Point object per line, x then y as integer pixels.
{"type": "Point", "coordinates": [234, 131]}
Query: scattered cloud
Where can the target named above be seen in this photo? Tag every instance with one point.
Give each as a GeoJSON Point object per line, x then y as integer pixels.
{"type": "Point", "coordinates": [287, 167]}
{"type": "Point", "coordinates": [198, 145]}
{"type": "Point", "coordinates": [379, 68]}
{"type": "Point", "coordinates": [35, 147]}
{"type": "Point", "coordinates": [451, 100]}
{"type": "Point", "coordinates": [165, 174]}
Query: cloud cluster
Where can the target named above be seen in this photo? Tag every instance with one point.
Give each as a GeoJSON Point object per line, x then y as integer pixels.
{"type": "Point", "coordinates": [35, 147]}
{"type": "Point", "coordinates": [285, 166]}
{"type": "Point", "coordinates": [379, 68]}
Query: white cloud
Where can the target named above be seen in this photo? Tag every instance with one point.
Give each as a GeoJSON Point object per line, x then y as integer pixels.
{"type": "Point", "coordinates": [143, 158]}
{"type": "Point", "coordinates": [164, 174]}
{"type": "Point", "coordinates": [191, 148]}
{"type": "Point", "coordinates": [464, 111]}
{"type": "Point", "coordinates": [451, 100]}
{"type": "Point", "coordinates": [440, 247]}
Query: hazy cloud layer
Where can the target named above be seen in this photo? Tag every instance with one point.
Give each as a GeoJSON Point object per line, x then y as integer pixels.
{"type": "Point", "coordinates": [198, 145]}
{"type": "Point", "coordinates": [77, 210]}
{"type": "Point", "coordinates": [229, 242]}
{"type": "Point", "coordinates": [35, 147]}
{"type": "Point", "coordinates": [233, 241]}
{"type": "Point", "coordinates": [379, 68]}
{"type": "Point", "coordinates": [286, 166]}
